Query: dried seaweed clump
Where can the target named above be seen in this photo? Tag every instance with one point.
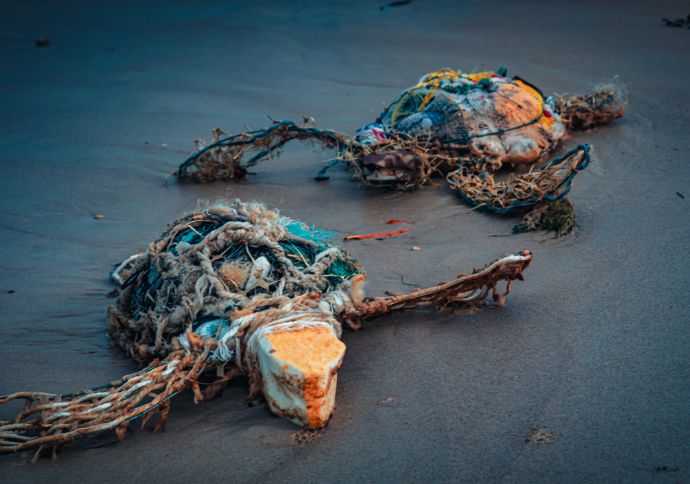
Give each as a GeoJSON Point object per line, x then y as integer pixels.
{"type": "Point", "coordinates": [557, 217]}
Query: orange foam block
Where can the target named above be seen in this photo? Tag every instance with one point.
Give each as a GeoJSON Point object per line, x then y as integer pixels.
{"type": "Point", "coordinates": [299, 368]}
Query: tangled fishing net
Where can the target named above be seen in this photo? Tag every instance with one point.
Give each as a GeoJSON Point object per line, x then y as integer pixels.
{"type": "Point", "coordinates": [605, 103]}
{"type": "Point", "coordinates": [464, 127]}
{"type": "Point", "coordinates": [213, 262]}
{"type": "Point", "coordinates": [195, 306]}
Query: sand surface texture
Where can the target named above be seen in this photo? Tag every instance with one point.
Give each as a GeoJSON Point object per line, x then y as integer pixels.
{"type": "Point", "coordinates": [584, 376]}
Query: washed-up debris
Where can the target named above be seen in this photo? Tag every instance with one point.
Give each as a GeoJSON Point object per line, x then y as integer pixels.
{"type": "Point", "coordinates": [557, 217]}
{"type": "Point", "coordinates": [377, 235]}
{"type": "Point", "coordinates": [459, 126]}
{"type": "Point", "coordinates": [395, 221]}
{"type": "Point", "coordinates": [683, 23]}
{"type": "Point", "coordinates": [233, 289]}
{"type": "Point", "coordinates": [397, 3]}
{"type": "Point", "coordinates": [540, 436]}
{"type": "Point", "coordinates": [304, 437]}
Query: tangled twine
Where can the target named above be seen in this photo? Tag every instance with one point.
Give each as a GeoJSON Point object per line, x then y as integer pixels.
{"type": "Point", "coordinates": [548, 183]}
{"type": "Point", "coordinates": [229, 157]}
{"type": "Point", "coordinates": [411, 162]}
{"type": "Point", "coordinates": [605, 103]}
{"type": "Point", "coordinates": [194, 304]}
{"type": "Point", "coordinates": [216, 261]}
{"type": "Point", "coordinates": [49, 420]}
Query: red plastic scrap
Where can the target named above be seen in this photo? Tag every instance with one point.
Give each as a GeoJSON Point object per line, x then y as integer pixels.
{"type": "Point", "coordinates": [398, 221]}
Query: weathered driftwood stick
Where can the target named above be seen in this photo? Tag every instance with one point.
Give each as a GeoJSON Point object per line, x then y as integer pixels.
{"type": "Point", "coordinates": [465, 291]}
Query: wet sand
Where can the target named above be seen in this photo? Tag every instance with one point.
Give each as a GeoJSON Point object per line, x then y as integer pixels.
{"type": "Point", "coordinates": [593, 346]}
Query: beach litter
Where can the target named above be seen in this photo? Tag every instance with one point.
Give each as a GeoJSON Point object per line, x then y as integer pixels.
{"type": "Point", "coordinates": [377, 235]}
{"type": "Point", "coordinates": [395, 221]}
{"type": "Point", "coordinates": [228, 290]}
{"type": "Point", "coordinates": [682, 23]}
{"type": "Point", "coordinates": [487, 134]}
{"type": "Point", "coordinates": [397, 3]}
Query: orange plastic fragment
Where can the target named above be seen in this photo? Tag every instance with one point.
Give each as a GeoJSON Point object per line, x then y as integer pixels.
{"type": "Point", "coordinates": [377, 235]}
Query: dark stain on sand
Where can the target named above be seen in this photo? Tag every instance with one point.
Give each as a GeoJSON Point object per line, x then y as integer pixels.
{"type": "Point", "coordinates": [540, 436]}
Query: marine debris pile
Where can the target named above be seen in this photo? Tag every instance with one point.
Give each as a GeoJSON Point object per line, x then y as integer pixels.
{"type": "Point", "coordinates": [233, 289]}
{"type": "Point", "coordinates": [237, 289]}
{"type": "Point", "coordinates": [467, 128]}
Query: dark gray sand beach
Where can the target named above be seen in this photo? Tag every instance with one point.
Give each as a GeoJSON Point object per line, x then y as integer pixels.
{"type": "Point", "coordinates": [583, 377]}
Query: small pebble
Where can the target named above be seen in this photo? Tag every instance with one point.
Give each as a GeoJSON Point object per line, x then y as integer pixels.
{"type": "Point", "coordinates": [416, 248]}
{"type": "Point", "coordinates": [98, 217]}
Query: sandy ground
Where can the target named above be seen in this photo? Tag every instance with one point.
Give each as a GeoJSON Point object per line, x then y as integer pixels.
{"type": "Point", "coordinates": [594, 346]}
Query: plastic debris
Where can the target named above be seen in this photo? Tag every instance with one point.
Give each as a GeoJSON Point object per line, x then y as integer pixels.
{"type": "Point", "coordinates": [678, 23]}
{"type": "Point", "coordinates": [370, 134]}
{"type": "Point", "coordinates": [377, 235]}
{"type": "Point", "coordinates": [395, 221]}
